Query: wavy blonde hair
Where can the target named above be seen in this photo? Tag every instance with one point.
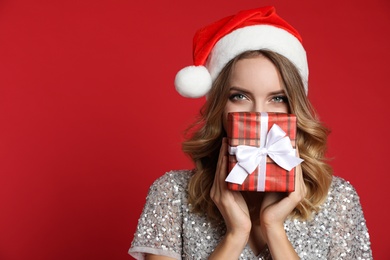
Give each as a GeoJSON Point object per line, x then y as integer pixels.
{"type": "Point", "coordinates": [204, 139]}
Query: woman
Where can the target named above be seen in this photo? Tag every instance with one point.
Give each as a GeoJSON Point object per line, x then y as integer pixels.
{"type": "Point", "coordinates": [252, 61]}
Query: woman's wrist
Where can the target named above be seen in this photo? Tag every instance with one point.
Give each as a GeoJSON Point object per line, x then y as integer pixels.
{"type": "Point", "coordinates": [272, 232]}
{"type": "Point", "coordinates": [278, 243]}
{"type": "Point", "coordinates": [231, 246]}
{"type": "Point", "coordinates": [237, 236]}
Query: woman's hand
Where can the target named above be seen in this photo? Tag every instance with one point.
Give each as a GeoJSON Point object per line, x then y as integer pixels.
{"type": "Point", "coordinates": [275, 208]}
{"type": "Point", "coordinates": [233, 209]}
{"type": "Point", "coordinates": [231, 204]}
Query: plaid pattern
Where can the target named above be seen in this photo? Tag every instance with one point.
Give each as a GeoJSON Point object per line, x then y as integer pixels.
{"type": "Point", "coordinates": [244, 129]}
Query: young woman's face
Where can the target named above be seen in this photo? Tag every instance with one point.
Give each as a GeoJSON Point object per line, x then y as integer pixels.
{"type": "Point", "coordinates": [255, 86]}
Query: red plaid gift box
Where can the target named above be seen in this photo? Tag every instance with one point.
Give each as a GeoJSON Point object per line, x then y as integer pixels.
{"type": "Point", "coordinates": [254, 138]}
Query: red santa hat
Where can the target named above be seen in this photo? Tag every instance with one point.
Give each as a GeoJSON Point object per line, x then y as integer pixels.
{"type": "Point", "coordinates": [216, 44]}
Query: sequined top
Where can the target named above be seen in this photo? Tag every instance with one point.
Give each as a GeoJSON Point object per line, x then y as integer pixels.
{"type": "Point", "coordinates": [167, 227]}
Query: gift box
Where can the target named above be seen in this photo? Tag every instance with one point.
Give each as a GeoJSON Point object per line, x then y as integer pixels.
{"type": "Point", "coordinates": [262, 154]}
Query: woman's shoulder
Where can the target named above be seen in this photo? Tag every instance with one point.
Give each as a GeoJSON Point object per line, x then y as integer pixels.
{"type": "Point", "coordinates": [342, 200]}
{"type": "Point", "coordinates": [341, 185]}
{"type": "Point", "coordinates": [174, 181]}
{"type": "Point", "coordinates": [174, 177]}
{"type": "Point", "coordinates": [342, 192]}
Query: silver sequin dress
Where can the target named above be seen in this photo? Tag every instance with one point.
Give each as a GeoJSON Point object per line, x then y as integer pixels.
{"type": "Point", "coordinates": [167, 227]}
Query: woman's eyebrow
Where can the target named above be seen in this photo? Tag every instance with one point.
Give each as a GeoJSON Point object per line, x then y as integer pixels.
{"type": "Point", "coordinates": [239, 89]}
{"type": "Point", "coordinates": [277, 92]}
{"type": "Point", "coordinates": [234, 88]}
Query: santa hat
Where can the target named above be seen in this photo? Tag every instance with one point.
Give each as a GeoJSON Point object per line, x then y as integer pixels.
{"type": "Point", "coordinates": [215, 45]}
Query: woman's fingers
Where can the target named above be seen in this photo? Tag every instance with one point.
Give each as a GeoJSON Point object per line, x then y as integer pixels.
{"type": "Point", "coordinates": [221, 168]}
{"type": "Point", "coordinates": [275, 207]}
{"type": "Point", "coordinates": [300, 187]}
{"type": "Point", "coordinates": [223, 162]}
{"type": "Point", "coordinates": [230, 203]}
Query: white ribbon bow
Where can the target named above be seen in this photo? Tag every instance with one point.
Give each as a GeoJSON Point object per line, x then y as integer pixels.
{"type": "Point", "coordinates": [277, 146]}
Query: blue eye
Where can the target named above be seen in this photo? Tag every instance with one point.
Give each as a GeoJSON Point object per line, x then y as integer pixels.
{"type": "Point", "coordinates": [237, 96]}
{"type": "Point", "coordinates": [280, 99]}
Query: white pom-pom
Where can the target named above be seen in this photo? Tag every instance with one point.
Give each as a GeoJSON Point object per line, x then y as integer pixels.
{"type": "Point", "coordinates": [193, 81]}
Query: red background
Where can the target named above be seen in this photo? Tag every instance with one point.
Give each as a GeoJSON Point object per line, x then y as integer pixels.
{"type": "Point", "coordinates": [89, 115]}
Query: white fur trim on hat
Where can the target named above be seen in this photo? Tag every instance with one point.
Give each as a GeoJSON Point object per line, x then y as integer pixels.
{"type": "Point", "coordinates": [193, 81]}
{"type": "Point", "coordinates": [257, 37]}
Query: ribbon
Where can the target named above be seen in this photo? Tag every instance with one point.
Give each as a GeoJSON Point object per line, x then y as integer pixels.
{"type": "Point", "coordinates": [277, 146]}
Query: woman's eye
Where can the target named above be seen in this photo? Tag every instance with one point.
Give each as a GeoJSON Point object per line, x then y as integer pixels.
{"type": "Point", "coordinates": [280, 99]}
{"type": "Point", "coordinates": [237, 96]}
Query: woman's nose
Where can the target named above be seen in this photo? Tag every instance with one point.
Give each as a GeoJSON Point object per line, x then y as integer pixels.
{"type": "Point", "coordinates": [258, 107]}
